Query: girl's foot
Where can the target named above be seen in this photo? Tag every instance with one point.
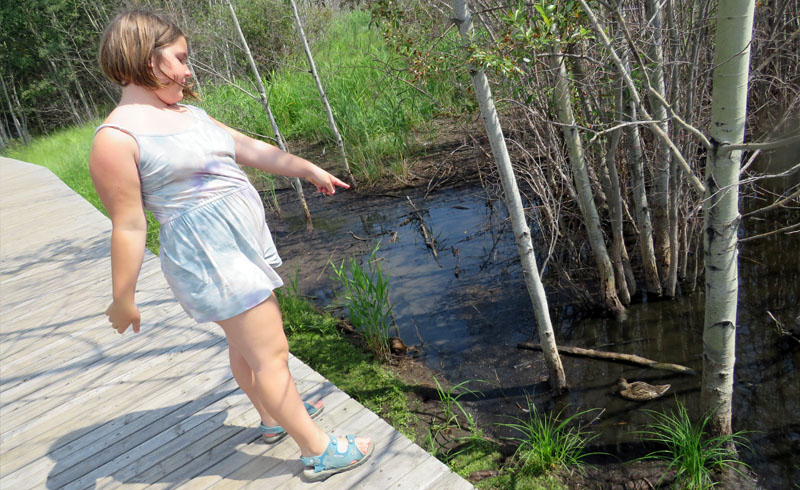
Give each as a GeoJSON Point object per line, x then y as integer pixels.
{"type": "Point", "coordinates": [274, 433]}
{"type": "Point", "coordinates": [342, 454]}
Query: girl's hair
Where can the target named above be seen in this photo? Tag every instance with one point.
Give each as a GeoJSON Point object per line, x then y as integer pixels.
{"type": "Point", "coordinates": [129, 44]}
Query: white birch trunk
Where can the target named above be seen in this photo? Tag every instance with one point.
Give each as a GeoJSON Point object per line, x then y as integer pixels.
{"type": "Point", "coordinates": [721, 209]}
{"type": "Point", "coordinates": [14, 119]}
{"type": "Point", "coordinates": [516, 211]}
{"type": "Point", "coordinates": [610, 181]}
{"type": "Point", "coordinates": [661, 159]}
{"type": "Point", "coordinates": [328, 111]}
{"type": "Point", "coordinates": [298, 187]}
{"type": "Point", "coordinates": [640, 205]}
{"type": "Point", "coordinates": [591, 219]}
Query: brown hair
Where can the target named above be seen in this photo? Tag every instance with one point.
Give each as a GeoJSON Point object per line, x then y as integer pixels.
{"type": "Point", "coordinates": [129, 43]}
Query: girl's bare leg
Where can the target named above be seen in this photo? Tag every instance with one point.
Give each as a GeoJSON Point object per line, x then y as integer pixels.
{"type": "Point", "coordinates": [246, 381]}
{"type": "Point", "coordinates": [257, 335]}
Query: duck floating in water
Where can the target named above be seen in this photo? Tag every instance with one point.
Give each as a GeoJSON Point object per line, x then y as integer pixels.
{"type": "Point", "coordinates": [639, 391]}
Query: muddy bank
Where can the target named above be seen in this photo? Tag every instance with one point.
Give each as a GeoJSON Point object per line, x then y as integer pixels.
{"type": "Point", "coordinates": [467, 308]}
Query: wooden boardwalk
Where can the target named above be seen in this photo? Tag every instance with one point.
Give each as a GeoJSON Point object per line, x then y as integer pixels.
{"type": "Point", "coordinates": [84, 407]}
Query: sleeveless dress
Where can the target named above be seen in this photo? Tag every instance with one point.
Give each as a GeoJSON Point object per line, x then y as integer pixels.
{"type": "Point", "coordinates": [216, 252]}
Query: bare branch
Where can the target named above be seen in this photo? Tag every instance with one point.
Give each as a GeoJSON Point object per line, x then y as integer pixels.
{"type": "Point", "coordinates": [600, 31]}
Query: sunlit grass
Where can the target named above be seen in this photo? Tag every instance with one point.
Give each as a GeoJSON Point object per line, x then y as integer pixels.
{"type": "Point", "coordinates": [547, 442]}
{"type": "Point", "coordinates": [689, 450]}
{"type": "Point", "coordinates": [375, 109]}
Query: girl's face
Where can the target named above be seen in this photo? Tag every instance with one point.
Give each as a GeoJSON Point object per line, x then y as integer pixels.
{"type": "Point", "coordinates": [173, 71]}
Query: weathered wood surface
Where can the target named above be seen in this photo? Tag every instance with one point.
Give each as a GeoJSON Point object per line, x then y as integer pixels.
{"type": "Point", "coordinates": [614, 357]}
{"type": "Point", "coordinates": [84, 407]}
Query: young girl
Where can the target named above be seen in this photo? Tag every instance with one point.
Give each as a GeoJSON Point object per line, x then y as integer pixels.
{"type": "Point", "coordinates": [216, 250]}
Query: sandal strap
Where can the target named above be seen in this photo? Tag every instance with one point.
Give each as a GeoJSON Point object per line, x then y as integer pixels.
{"type": "Point", "coordinates": [277, 429]}
{"type": "Point", "coordinates": [333, 457]}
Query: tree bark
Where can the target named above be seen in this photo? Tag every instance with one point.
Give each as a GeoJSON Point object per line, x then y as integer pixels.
{"type": "Point", "coordinates": [661, 159]}
{"type": "Point", "coordinates": [591, 219]}
{"type": "Point", "coordinates": [513, 201]}
{"type": "Point", "coordinates": [322, 95]}
{"type": "Point", "coordinates": [610, 179]}
{"type": "Point", "coordinates": [21, 133]}
{"type": "Point", "coordinates": [298, 187]}
{"type": "Point", "coordinates": [636, 163]}
{"type": "Point", "coordinates": [721, 211]}
{"type": "Point", "coordinates": [614, 357]}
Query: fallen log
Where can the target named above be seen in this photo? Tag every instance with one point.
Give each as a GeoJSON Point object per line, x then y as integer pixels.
{"type": "Point", "coordinates": [613, 356]}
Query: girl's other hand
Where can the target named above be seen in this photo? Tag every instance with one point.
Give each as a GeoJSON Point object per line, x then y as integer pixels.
{"type": "Point", "coordinates": [325, 182]}
{"type": "Point", "coordinates": [122, 314]}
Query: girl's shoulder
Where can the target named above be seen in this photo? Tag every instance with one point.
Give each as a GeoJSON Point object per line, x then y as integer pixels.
{"type": "Point", "coordinates": [147, 120]}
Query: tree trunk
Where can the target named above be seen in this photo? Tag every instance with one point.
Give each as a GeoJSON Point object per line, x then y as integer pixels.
{"type": "Point", "coordinates": [516, 211]}
{"type": "Point", "coordinates": [636, 163]}
{"type": "Point", "coordinates": [328, 111]}
{"type": "Point", "coordinates": [563, 103]}
{"type": "Point", "coordinates": [14, 119]}
{"type": "Point", "coordinates": [721, 209]}
{"type": "Point", "coordinates": [610, 179]}
{"type": "Point", "coordinates": [298, 187]}
{"type": "Point", "coordinates": [661, 158]}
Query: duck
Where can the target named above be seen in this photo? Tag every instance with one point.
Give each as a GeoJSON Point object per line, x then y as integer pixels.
{"type": "Point", "coordinates": [639, 391]}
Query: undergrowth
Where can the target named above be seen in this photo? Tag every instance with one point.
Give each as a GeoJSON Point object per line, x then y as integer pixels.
{"type": "Point", "coordinates": [689, 450]}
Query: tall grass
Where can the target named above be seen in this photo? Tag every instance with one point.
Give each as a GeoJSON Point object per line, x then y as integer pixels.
{"type": "Point", "coordinates": [376, 111]}
{"type": "Point", "coordinates": [546, 442]}
{"type": "Point", "coordinates": [66, 154]}
{"type": "Point", "coordinates": [366, 295]}
{"type": "Point", "coordinates": [689, 450]}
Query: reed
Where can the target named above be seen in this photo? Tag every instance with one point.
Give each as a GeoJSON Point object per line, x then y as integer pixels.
{"type": "Point", "coordinates": [366, 296]}
{"type": "Point", "coordinates": [689, 450]}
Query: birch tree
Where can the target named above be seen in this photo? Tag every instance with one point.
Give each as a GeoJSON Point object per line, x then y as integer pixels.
{"type": "Point", "coordinates": [298, 187]}
{"type": "Point", "coordinates": [522, 233]}
{"type": "Point", "coordinates": [328, 111]}
{"type": "Point", "coordinates": [734, 23]}
{"type": "Point", "coordinates": [591, 219]}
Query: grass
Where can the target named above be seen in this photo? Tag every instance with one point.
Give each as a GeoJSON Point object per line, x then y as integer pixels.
{"type": "Point", "coordinates": [66, 154]}
{"type": "Point", "coordinates": [547, 443]}
{"type": "Point", "coordinates": [375, 112]}
{"type": "Point", "coordinates": [366, 296]}
{"type": "Point", "coordinates": [314, 338]}
{"type": "Point", "coordinates": [689, 450]}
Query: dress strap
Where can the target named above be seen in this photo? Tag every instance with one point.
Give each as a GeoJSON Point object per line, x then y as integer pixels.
{"type": "Point", "coordinates": [118, 128]}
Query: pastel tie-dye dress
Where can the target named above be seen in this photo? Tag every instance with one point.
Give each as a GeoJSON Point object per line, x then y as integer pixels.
{"type": "Point", "coordinates": [217, 253]}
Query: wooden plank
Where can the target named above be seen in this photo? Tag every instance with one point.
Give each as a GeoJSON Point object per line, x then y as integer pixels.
{"type": "Point", "coordinates": [217, 460]}
{"type": "Point", "coordinates": [37, 441]}
{"type": "Point", "coordinates": [242, 456]}
{"type": "Point", "coordinates": [104, 366]}
{"type": "Point", "coordinates": [367, 424]}
{"type": "Point", "coordinates": [281, 458]}
{"type": "Point", "coordinates": [98, 443]}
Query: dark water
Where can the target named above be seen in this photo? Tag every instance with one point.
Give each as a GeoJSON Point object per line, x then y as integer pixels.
{"type": "Point", "coordinates": [468, 308]}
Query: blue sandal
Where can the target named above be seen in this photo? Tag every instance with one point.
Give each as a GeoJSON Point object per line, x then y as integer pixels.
{"type": "Point", "coordinates": [335, 460]}
{"type": "Point", "coordinates": [275, 433]}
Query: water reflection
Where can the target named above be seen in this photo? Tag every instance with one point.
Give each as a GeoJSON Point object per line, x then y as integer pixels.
{"type": "Point", "coordinates": [468, 307]}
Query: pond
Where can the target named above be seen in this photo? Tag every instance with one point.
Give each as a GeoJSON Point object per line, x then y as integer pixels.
{"type": "Point", "coordinates": [467, 308]}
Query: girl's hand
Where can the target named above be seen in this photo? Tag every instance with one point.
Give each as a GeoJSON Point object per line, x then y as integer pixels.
{"type": "Point", "coordinates": [325, 182]}
{"type": "Point", "coordinates": [122, 314]}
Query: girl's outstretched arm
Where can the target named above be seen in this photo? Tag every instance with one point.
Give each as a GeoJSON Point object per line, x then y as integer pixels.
{"type": "Point", "coordinates": [112, 164]}
{"type": "Point", "coordinates": [268, 158]}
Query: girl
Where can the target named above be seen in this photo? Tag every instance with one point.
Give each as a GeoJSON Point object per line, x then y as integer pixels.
{"type": "Point", "coordinates": [216, 250]}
